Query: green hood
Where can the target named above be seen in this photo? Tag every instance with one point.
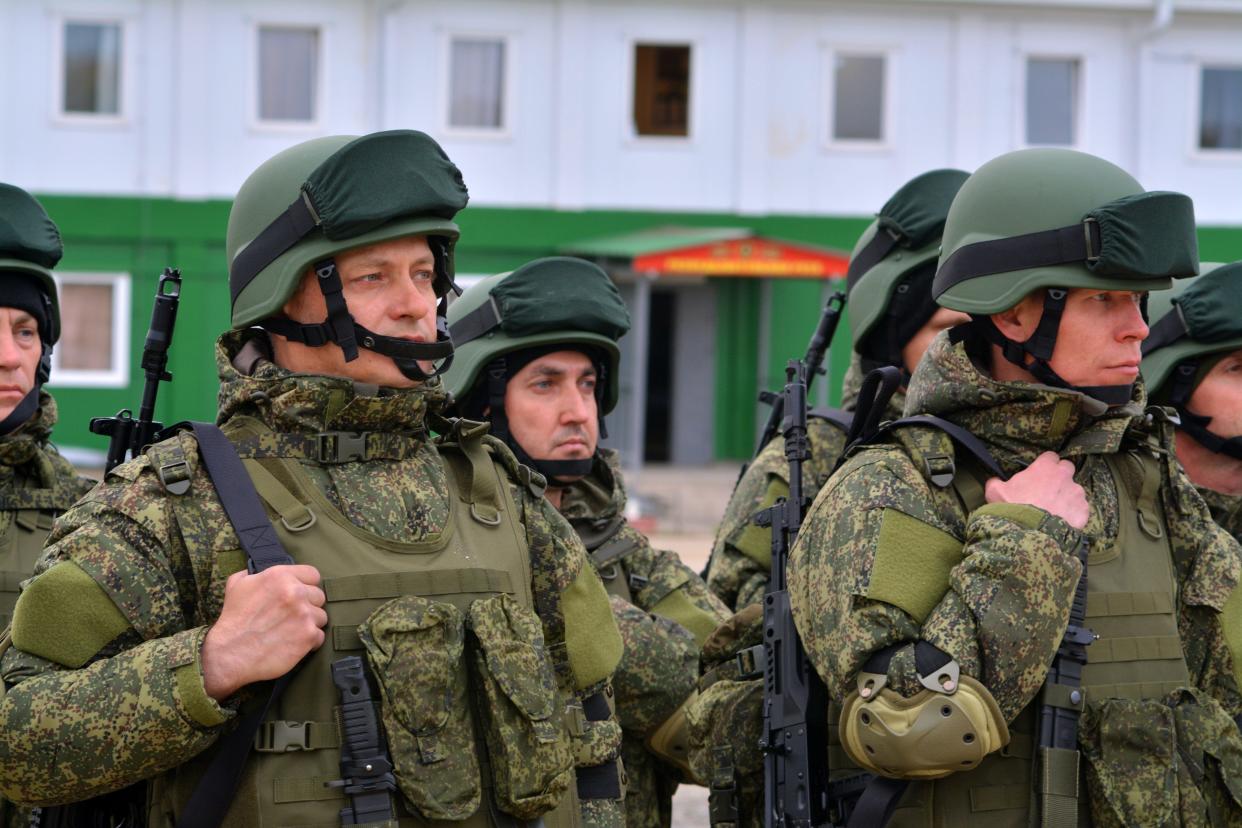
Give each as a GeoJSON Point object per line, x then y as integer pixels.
{"type": "Point", "coordinates": [252, 385]}
{"type": "Point", "coordinates": [598, 496]}
{"type": "Point", "coordinates": [1017, 420]}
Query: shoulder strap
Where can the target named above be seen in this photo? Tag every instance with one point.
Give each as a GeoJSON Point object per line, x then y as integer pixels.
{"type": "Point", "coordinates": [218, 784]}
{"type": "Point", "coordinates": [963, 439]}
{"type": "Point", "coordinates": [841, 419]}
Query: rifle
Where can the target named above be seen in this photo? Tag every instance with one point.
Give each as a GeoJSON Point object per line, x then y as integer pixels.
{"type": "Point", "coordinates": [127, 437]}
{"type": "Point", "coordinates": [816, 349]}
{"type": "Point", "coordinates": [795, 701]}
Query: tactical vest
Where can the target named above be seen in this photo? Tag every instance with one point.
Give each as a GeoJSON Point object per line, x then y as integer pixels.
{"type": "Point", "coordinates": [26, 517]}
{"type": "Point", "coordinates": [1131, 604]}
{"type": "Point", "coordinates": [481, 552]}
{"type": "Point", "coordinates": [607, 547]}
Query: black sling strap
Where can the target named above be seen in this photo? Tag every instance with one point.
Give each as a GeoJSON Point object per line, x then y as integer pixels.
{"type": "Point", "coordinates": [218, 785]}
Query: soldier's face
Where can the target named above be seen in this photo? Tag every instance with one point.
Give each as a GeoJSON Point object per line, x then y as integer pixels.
{"type": "Point", "coordinates": [1219, 396]}
{"type": "Point", "coordinates": [389, 289]}
{"type": "Point", "coordinates": [20, 349]}
{"type": "Point", "coordinates": [1100, 337]}
{"type": "Point", "coordinates": [551, 408]}
{"type": "Point", "coordinates": [942, 319]}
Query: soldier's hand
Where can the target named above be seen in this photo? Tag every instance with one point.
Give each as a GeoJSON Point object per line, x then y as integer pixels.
{"type": "Point", "coordinates": [268, 622]}
{"type": "Point", "coordinates": [1047, 483]}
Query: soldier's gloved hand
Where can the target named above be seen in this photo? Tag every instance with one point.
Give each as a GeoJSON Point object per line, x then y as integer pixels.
{"type": "Point", "coordinates": [1047, 483]}
{"type": "Point", "coordinates": [268, 622]}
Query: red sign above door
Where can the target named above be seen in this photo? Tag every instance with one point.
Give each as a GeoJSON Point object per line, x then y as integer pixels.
{"type": "Point", "coordinates": [745, 257]}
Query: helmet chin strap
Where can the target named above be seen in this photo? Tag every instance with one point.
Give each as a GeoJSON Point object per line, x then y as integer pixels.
{"type": "Point", "coordinates": [1196, 425]}
{"type": "Point", "coordinates": [558, 472]}
{"type": "Point", "coordinates": [341, 329]}
{"type": "Point", "coordinates": [1040, 346]}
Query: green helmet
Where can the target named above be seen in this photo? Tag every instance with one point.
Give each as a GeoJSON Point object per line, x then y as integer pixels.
{"type": "Point", "coordinates": [551, 304]}
{"type": "Point", "coordinates": [1201, 317]}
{"type": "Point", "coordinates": [1052, 220]}
{"type": "Point", "coordinates": [891, 267]}
{"type": "Point", "coordinates": [1041, 218]}
{"type": "Point", "coordinates": [552, 301]}
{"type": "Point", "coordinates": [328, 195]}
{"type": "Point", "coordinates": [30, 247]}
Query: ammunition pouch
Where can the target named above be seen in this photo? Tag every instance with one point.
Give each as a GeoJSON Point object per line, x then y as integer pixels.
{"type": "Point", "coordinates": [529, 750]}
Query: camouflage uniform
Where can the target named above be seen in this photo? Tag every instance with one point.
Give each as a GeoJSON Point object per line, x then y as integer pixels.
{"type": "Point", "coordinates": [1006, 596]}
{"type": "Point", "coordinates": [742, 552]}
{"type": "Point", "coordinates": [122, 700]}
{"type": "Point", "coordinates": [664, 616]}
{"type": "Point", "coordinates": [1226, 510]}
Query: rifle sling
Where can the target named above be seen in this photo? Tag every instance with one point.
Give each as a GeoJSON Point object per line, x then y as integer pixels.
{"type": "Point", "coordinates": [216, 788]}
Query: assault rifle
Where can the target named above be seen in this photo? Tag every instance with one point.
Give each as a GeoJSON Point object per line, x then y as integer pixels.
{"type": "Point", "coordinates": [795, 702]}
{"type": "Point", "coordinates": [814, 363]}
{"type": "Point", "coordinates": [128, 436]}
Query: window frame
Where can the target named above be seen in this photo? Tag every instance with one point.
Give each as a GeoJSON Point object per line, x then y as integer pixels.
{"type": "Point", "coordinates": [125, 85]}
{"type": "Point", "coordinates": [255, 120]}
{"type": "Point", "coordinates": [1198, 152]}
{"type": "Point", "coordinates": [507, 99]}
{"type": "Point", "coordinates": [631, 134]}
{"type": "Point", "coordinates": [118, 376]}
{"type": "Point", "coordinates": [888, 112]}
{"type": "Point", "coordinates": [1080, 99]}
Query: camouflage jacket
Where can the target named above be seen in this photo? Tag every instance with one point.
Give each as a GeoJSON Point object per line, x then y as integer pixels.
{"type": "Point", "coordinates": [1226, 510]}
{"type": "Point", "coordinates": [741, 558]}
{"type": "Point", "coordinates": [671, 613]}
{"type": "Point", "coordinates": [116, 693]}
{"type": "Point", "coordinates": [1007, 599]}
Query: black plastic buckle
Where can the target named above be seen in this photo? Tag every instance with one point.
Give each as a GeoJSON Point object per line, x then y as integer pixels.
{"type": "Point", "coordinates": [940, 469]}
{"type": "Point", "coordinates": [750, 662]}
{"type": "Point", "coordinates": [342, 446]}
{"type": "Point", "coordinates": [638, 582]}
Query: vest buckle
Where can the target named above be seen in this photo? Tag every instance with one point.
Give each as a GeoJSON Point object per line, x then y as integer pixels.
{"type": "Point", "coordinates": [940, 469]}
{"type": "Point", "coordinates": [342, 446]}
{"type": "Point", "coordinates": [282, 736]}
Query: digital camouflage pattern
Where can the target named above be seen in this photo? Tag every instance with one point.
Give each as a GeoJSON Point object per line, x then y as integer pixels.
{"type": "Point", "coordinates": [742, 552]}
{"type": "Point", "coordinates": [659, 667]}
{"type": "Point", "coordinates": [138, 707]}
{"type": "Point", "coordinates": [1008, 599]}
{"type": "Point", "coordinates": [1226, 510]}
{"type": "Point", "coordinates": [33, 475]}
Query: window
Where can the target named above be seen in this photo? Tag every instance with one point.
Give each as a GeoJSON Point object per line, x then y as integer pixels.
{"type": "Point", "coordinates": [1052, 101]}
{"type": "Point", "coordinates": [476, 83]}
{"type": "Point", "coordinates": [91, 70]}
{"type": "Point", "coordinates": [1220, 108]}
{"type": "Point", "coordinates": [661, 90]}
{"type": "Point", "coordinates": [858, 98]}
{"type": "Point", "coordinates": [288, 74]}
{"type": "Point", "coordinates": [94, 330]}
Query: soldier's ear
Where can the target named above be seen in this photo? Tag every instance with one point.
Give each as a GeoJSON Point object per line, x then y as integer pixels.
{"type": "Point", "coordinates": [1019, 322]}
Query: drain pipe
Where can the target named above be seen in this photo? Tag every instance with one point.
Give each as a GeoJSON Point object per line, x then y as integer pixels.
{"type": "Point", "coordinates": [1161, 19]}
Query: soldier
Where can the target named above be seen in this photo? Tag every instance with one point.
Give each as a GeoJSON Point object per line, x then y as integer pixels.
{"type": "Point", "coordinates": [36, 483]}
{"type": "Point", "coordinates": [1193, 362]}
{"type": "Point", "coordinates": [141, 649]}
{"type": "Point", "coordinates": [537, 356]}
{"type": "Point", "coordinates": [892, 321]}
{"type": "Point", "coordinates": [933, 594]}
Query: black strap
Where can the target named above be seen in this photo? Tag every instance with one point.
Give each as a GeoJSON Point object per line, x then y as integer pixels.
{"type": "Point", "coordinates": [1076, 243]}
{"type": "Point", "coordinates": [959, 435]}
{"type": "Point", "coordinates": [841, 419]}
{"type": "Point", "coordinates": [877, 389]}
{"type": "Point", "coordinates": [475, 324]}
{"type": "Point", "coordinates": [878, 801]}
{"type": "Point", "coordinates": [289, 228]}
{"type": "Point", "coordinates": [881, 245]}
{"type": "Point", "coordinates": [218, 785]}
{"type": "Point", "coordinates": [1169, 329]}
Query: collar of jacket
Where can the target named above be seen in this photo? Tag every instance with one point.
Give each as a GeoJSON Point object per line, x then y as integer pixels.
{"type": "Point", "coordinates": [253, 385]}
{"type": "Point", "coordinates": [598, 496]}
{"type": "Point", "coordinates": [29, 440]}
{"type": "Point", "coordinates": [1017, 420]}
